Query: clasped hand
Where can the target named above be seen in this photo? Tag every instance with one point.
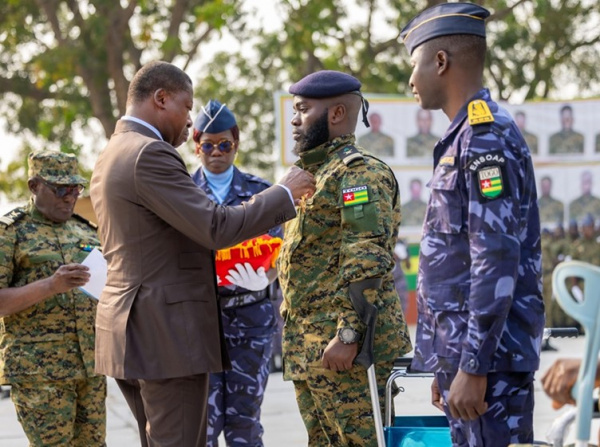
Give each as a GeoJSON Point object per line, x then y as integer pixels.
{"type": "Point", "coordinates": [245, 276]}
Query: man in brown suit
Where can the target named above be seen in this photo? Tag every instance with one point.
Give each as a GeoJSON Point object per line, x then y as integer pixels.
{"type": "Point", "coordinates": [158, 329]}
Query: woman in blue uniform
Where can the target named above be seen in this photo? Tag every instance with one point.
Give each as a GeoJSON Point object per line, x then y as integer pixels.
{"type": "Point", "coordinates": [247, 312]}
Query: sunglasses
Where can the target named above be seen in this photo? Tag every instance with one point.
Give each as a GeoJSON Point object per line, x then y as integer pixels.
{"type": "Point", "coordinates": [62, 191]}
{"type": "Point", "coordinates": [223, 145]}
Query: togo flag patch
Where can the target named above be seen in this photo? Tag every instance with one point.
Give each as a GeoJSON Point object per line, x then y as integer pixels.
{"type": "Point", "coordinates": [355, 196]}
{"type": "Point", "coordinates": [490, 182]}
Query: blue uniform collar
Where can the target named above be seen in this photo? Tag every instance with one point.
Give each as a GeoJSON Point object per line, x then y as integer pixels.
{"type": "Point", "coordinates": [239, 187]}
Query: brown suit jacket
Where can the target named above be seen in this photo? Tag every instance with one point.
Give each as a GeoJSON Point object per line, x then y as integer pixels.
{"type": "Point", "coordinates": [158, 316]}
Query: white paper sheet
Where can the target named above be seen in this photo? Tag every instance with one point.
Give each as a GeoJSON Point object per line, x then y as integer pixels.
{"type": "Point", "coordinates": [97, 265]}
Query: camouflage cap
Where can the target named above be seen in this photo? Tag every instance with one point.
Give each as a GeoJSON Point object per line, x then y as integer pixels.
{"type": "Point", "coordinates": [55, 167]}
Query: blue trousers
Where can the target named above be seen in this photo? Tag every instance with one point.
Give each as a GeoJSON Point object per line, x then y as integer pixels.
{"type": "Point", "coordinates": [235, 396]}
{"type": "Point", "coordinates": [509, 418]}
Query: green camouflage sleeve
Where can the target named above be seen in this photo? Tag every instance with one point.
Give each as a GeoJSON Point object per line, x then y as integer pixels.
{"type": "Point", "coordinates": [370, 218]}
{"type": "Point", "coordinates": [7, 249]}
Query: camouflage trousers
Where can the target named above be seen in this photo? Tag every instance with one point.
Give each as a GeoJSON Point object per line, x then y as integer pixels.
{"type": "Point", "coordinates": [235, 396]}
{"type": "Point", "coordinates": [336, 406]}
{"type": "Point", "coordinates": [509, 418]}
{"type": "Point", "coordinates": [62, 413]}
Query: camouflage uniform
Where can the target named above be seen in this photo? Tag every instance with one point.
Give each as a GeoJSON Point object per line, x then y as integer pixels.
{"type": "Point", "coordinates": [586, 250]}
{"type": "Point", "coordinates": [583, 205]}
{"type": "Point", "coordinates": [235, 396]}
{"type": "Point", "coordinates": [331, 244]}
{"type": "Point", "coordinates": [47, 350]}
{"type": "Point", "coordinates": [531, 140]}
{"type": "Point", "coordinates": [413, 213]}
{"type": "Point", "coordinates": [551, 210]}
{"type": "Point", "coordinates": [559, 249]}
{"type": "Point", "coordinates": [420, 145]}
{"type": "Point", "coordinates": [480, 306]}
{"type": "Point", "coordinates": [379, 144]}
{"type": "Point", "coordinates": [566, 142]}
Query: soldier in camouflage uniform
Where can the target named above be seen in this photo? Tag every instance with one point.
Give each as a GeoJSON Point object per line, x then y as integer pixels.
{"type": "Point", "coordinates": [249, 319]}
{"type": "Point", "coordinates": [421, 144]}
{"type": "Point", "coordinates": [551, 209]}
{"type": "Point", "coordinates": [377, 142]}
{"type": "Point", "coordinates": [413, 211]}
{"type": "Point", "coordinates": [479, 294]}
{"type": "Point", "coordinates": [47, 324]}
{"type": "Point", "coordinates": [530, 138]}
{"type": "Point", "coordinates": [340, 243]}
{"type": "Point", "coordinates": [587, 247]}
{"type": "Point", "coordinates": [566, 140]}
{"type": "Point", "coordinates": [586, 203]}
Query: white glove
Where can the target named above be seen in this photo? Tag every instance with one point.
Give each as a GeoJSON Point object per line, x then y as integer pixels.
{"type": "Point", "coordinates": [245, 276]}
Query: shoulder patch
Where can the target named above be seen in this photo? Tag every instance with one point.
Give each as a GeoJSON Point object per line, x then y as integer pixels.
{"type": "Point", "coordinates": [479, 112]}
{"type": "Point", "coordinates": [85, 221]}
{"type": "Point", "coordinates": [490, 182]}
{"type": "Point", "coordinates": [13, 216]}
{"type": "Point", "coordinates": [355, 195]}
{"type": "Point", "coordinates": [348, 154]}
{"type": "Point", "coordinates": [483, 160]}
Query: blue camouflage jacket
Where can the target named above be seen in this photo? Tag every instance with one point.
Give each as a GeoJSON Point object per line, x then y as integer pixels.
{"type": "Point", "coordinates": [480, 305]}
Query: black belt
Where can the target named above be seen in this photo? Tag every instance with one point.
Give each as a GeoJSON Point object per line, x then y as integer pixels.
{"type": "Point", "coordinates": [242, 299]}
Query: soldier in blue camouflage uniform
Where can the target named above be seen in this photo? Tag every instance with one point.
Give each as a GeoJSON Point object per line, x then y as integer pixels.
{"type": "Point", "coordinates": [480, 307]}
{"type": "Point", "coordinates": [341, 242]}
{"type": "Point", "coordinates": [47, 323]}
{"type": "Point", "coordinates": [248, 316]}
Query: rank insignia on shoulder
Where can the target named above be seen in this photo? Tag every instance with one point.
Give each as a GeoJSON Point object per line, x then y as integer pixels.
{"type": "Point", "coordinates": [490, 182]}
{"type": "Point", "coordinates": [13, 216]}
{"type": "Point", "coordinates": [355, 196]}
{"type": "Point", "coordinates": [479, 112]}
{"type": "Point", "coordinates": [447, 161]}
{"type": "Point", "coordinates": [348, 154]}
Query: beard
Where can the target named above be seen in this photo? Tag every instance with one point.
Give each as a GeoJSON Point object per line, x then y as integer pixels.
{"type": "Point", "coordinates": [315, 135]}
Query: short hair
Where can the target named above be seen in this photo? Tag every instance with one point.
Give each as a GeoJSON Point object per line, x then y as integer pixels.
{"type": "Point", "coordinates": [470, 49]}
{"type": "Point", "coordinates": [156, 75]}
{"type": "Point", "coordinates": [566, 108]}
{"type": "Point", "coordinates": [235, 133]}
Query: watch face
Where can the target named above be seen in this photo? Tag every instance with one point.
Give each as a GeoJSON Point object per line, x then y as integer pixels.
{"type": "Point", "coordinates": [348, 335]}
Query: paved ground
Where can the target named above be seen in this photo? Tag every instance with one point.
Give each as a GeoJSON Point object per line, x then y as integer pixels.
{"type": "Point", "coordinates": [283, 426]}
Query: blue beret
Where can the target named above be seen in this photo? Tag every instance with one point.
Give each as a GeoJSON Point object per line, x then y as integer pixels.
{"type": "Point", "coordinates": [325, 84]}
{"type": "Point", "coordinates": [443, 20]}
{"type": "Point", "coordinates": [587, 221]}
{"type": "Point", "coordinates": [214, 118]}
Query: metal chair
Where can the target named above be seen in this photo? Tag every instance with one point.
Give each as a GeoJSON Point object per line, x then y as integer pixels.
{"type": "Point", "coordinates": [587, 313]}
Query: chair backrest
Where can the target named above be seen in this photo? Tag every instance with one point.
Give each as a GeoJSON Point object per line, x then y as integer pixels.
{"type": "Point", "coordinates": [586, 312]}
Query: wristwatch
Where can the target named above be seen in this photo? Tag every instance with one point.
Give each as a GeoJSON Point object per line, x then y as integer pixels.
{"type": "Point", "coordinates": [347, 335]}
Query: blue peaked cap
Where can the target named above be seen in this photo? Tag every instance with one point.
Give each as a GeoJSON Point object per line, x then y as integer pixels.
{"type": "Point", "coordinates": [214, 118]}
{"type": "Point", "coordinates": [444, 19]}
{"type": "Point", "coordinates": [327, 84]}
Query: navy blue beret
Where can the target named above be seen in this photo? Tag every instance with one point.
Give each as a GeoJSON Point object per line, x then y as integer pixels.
{"type": "Point", "coordinates": [325, 84]}
{"type": "Point", "coordinates": [443, 20]}
{"type": "Point", "coordinates": [214, 118]}
{"type": "Point", "coordinates": [588, 220]}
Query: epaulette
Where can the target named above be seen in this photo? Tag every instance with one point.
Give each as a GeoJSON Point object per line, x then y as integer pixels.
{"type": "Point", "coordinates": [13, 216]}
{"type": "Point", "coordinates": [85, 221]}
{"type": "Point", "coordinates": [480, 116]}
{"type": "Point", "coordinates": [348, 154]}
